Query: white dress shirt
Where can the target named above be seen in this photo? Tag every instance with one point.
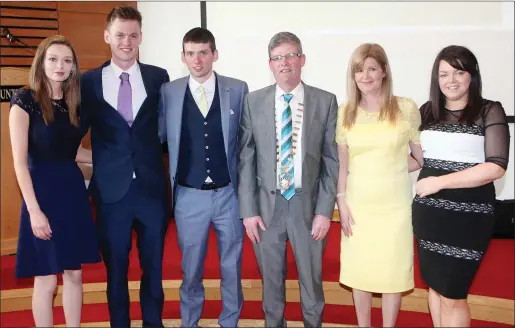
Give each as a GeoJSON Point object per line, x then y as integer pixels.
{"type": "Point", "coordinates": [209, 88]}
{"type": "Point", "coordinates": [111, 85]}
{"type": "Point", "coordinates": [280, 105]}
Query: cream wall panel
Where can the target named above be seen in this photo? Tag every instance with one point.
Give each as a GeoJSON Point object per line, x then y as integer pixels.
{"type": "Point", "coordinates": [308, 15]}
{"type": "Point", "coordinates": [164, 25]}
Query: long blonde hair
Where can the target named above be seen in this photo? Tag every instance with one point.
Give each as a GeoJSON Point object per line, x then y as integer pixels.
{"type": "Point", "coordinates": [40, 85]}
{"type": "Point", "coordinates": [389, 106]}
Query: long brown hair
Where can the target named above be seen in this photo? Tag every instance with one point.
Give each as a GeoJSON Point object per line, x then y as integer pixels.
{"type": "Point", "coordinates": [40, 85]}
{"type": "Point", "coordinates": [389, 106]}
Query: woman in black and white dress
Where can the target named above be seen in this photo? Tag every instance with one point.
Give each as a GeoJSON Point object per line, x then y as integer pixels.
{"type": "Point", "coordinates": [465, 140]}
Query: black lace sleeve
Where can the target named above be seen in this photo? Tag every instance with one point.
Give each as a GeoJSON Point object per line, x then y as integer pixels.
{"type": "Point", "coordinates": [23, 98]}
{"type": "Point", "coordinates": [497, 135]}
{"type": "Point", "coordinates": [426, 115]}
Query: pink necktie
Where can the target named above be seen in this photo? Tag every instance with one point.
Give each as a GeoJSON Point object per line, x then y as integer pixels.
{"type": "Point", "coordinates": [125, 98]}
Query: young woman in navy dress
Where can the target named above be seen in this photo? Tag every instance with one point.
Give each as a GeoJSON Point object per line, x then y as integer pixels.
{"type": "Point", "coordinates": [57, 233]}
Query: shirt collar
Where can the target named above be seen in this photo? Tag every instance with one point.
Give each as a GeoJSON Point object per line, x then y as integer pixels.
{"type": "Point", "coordinates": [297, 92]}
{"type": "Point", "coordinates": [132, 70]}
{"type": "Point", "coordinates": [209, 84]}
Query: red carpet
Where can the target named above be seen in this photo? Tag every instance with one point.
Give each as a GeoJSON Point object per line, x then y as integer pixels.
{"type": "Point", "coordinates": [251, 310]}
{"type": "Point", "coordinates": [494, 278]}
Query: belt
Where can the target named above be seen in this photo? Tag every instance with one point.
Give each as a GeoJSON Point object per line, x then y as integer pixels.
{"type": "Point", "coordinates": [205, 186]}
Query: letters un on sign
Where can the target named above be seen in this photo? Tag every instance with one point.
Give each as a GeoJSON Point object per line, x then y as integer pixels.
{"type": "Point", "coordinates": [6, 92]}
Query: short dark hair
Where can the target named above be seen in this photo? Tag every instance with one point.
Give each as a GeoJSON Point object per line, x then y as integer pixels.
{"type": "Point", "coordinates": [124, 12]}
{"type": "Point", "coordinates": [460, 58]}
{"type": "Point", "coordinates": [199, 35]}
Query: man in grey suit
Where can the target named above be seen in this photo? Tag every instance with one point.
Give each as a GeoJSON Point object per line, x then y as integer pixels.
{"type": "Point", "coordinates": [202, 119]}
{"type": "Point", "coordinates": [288, 171]}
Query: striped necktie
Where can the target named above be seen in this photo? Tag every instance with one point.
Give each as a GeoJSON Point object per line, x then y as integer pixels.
{"type": "Point", "coordinates": [286, 175]}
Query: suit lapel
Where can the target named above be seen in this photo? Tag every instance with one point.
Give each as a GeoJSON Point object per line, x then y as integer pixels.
{"type": "Point", "coordinates": [310, 103]}
{"type": "Point", "coordinates": [268, 126]}
{"type": "Point", "coordinates": [225, 97]}
{"type": "Point", "coordinates": [98, 83]}
{"type": "Point", "coordinates": [146, 76]}
{"type": "Point", "coordinates": [175, 113]}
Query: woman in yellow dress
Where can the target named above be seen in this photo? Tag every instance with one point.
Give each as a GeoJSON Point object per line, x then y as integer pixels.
{"type": "Point", "coordinates": [375, 133]}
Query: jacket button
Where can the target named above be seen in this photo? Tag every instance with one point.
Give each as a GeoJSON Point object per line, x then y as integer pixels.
{"type": "Point", "coordinates": [273, 192]}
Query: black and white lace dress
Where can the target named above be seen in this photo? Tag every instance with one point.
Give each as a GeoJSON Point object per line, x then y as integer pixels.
{"type": "Point", "coordinates": [453, 227]}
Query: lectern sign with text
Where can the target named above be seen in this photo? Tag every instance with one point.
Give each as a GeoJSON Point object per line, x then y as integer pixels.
{"type": "Point", "coordinates": [7, 91]}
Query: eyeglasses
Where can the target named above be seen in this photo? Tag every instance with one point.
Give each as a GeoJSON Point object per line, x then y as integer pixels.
{"type": "Point", "coordinates": [290, 56]}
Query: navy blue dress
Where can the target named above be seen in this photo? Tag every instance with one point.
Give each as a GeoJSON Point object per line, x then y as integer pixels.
{"type": "Point", "coordinates": [61, 194]}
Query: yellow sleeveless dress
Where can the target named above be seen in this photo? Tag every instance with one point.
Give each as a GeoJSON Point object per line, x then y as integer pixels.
{"type": "Point", "coordinates": [378, 257]}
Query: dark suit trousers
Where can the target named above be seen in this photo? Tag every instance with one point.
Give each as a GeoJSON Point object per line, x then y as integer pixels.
{"type": "Point", "coordinates": [288, 224]}
{"type": "Point", "coordinates": [115, 222]}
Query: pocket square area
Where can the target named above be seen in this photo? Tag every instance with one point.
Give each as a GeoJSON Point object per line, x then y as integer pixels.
{"type": "Point", "coordinates": [230, 111]}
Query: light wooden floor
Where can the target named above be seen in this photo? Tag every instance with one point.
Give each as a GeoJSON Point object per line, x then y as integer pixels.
{"type": "Point", "coordinates": [482, 307]}
{"type": "Point", "coordinates": [208, 323]}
